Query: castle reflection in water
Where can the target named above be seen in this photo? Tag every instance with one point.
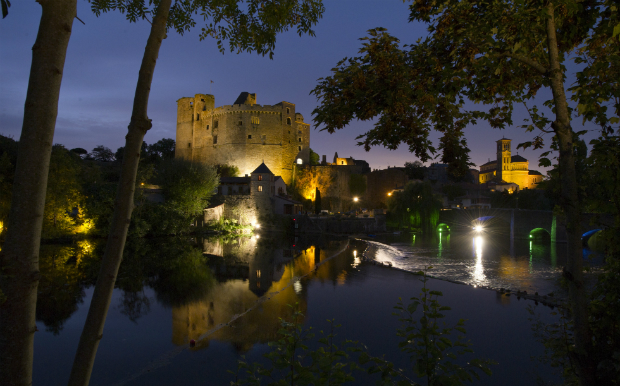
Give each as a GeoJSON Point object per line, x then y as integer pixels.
{"type": "Point", "coordinates": [247, 269]}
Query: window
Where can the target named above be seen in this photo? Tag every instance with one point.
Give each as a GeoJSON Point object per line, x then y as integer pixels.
{"type": "Point", "coordinates": [215, 124]}
{"type": "Point", "coordinates": [207, 127]}
{"type": "Point", "coordinates": [197, 117]}
{"type": "Point", "coordinates": [215, 139]}
{"type": "Point", "coordinates": [240, 123]}
{"type": "Point", "coordinates": [255, 120]}
{"type": "Point", "coordinates": [289, 131]}
{"type": "Point", "coordinates": [189, 144]}
{"type": "Point", "coordinates": [202, 100]}
{"type": "Point", "coordinates": [288, 121]}
{"type": "Point", "coordinates": [299, 139]}
{"type": "Point", "coordinates": [299, 147]}
{"type": "Point", "coordinates": [260, 178]}
{"type": "Point", "coordinates": [250, 136]}
{"type": "Point", "coordinates": [191, 104]}
{"type": "Point", "coordinates": [260, 188]}
{"type": "Point", "coordinates": [288, 111]}
{"type": "Point", "coordinates": [341, 162]}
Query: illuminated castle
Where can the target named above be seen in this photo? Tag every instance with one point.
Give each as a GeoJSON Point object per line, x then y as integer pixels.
{"type": "Point", "coordinates": [509, 168]}
{"type": "Point", "coordinates": [244, 134]}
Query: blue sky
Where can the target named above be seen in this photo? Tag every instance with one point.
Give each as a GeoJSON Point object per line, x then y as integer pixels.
{"type": "Point", "coordinates": [104, 57]}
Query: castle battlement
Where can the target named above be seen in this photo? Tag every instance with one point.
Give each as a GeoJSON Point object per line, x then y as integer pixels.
{"type": "Point", "coordinates": [242, 134]}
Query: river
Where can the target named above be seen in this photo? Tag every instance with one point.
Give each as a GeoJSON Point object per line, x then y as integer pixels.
{"type": "Point", "coordinates": [228, 295]}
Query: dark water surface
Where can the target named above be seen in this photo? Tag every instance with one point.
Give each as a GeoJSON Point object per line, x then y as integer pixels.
{"type": "Point", "coordinates": [228, 295]}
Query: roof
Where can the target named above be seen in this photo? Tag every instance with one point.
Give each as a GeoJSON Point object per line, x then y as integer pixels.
{"type": "Point", "coordinates": [489, 163]}
{"type": "Point", "coordinates": [242, 98]}
{"type": "Point", "coordinates": [277, 178]}
{"type": "Point", "coordinates": [534, 173]}
{"type": "Point", "coordinates": [262, 169]}
{"type": "Point", "coordinates": [504, 139]}
{"type": "Point", "coordinates": [517, 158]}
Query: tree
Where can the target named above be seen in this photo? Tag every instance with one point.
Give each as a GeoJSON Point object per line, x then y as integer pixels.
{"type": "Point", "coordinates": [317, 202]}
{"type": "Point", "coordinates": [187, 185]}
{"type": "Point", "coordinates": [314, 158]}
{"type": "Point", "coordinates": [248, 26]}
{"type": "Point", "coordinates": [225, 170]}
{"type": "Point", "coordinates": [415, 170]}
{"type": "Point", "coordinates": [80, 151]}
{"type": "Point", "coordinates": [499, 54]}
{"type": "Point", "coordinates": [19, 259]}
{"type": "Point", "coordinates": [162, 149]}
{"type": "Point", "coordinates": [102, 153]}
{"type": "Point", "coordinates": [416, 206]}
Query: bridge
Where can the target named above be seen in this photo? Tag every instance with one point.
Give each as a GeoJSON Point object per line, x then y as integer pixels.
{"type": "Point", "coordinates": [525, 224]}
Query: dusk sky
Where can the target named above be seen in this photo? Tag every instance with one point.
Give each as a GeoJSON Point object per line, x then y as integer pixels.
{"type": "Point", "coordinates": [104, 58]}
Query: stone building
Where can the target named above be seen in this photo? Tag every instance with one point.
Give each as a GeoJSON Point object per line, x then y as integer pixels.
{"type": "Point", "coordinates": [508, 168]}
{"type": "Point", "coordinates": [243, 134]}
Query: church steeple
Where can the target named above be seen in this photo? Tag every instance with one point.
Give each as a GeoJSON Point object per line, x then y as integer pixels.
{"type": "Point", "coordinates": [503, 157]}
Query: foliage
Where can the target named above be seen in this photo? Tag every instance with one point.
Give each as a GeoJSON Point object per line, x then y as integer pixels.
{"type": "Point", "coordinates": [415, 170]}
{"type": "Point", "coordinates": [102, 153]}
{"type": "Point", "coordinates": [8, 158]}
{"type": "Point", "coordinates": [433, 352]}
{"type": "Point", "coordinates": [357, 184]}
{"type": "Point", "coordinates": [225, 170]}
{"type": "Point", "coordinates": [532, 199]}
{"type": "Point", "coordinates": [64, 193]}
{"type": "Point", "coordinates": [602, 184]}
{"type": "Point", "coordinates": [317, 202]}
{"type": "Point", "coordinates": [308, 179]}
{"type": "Point", "coordinates": [416, 206]}
{"type": "Point", "coordinates": [293, 363]}
{"type": "Point", "coordinates": [247, 25]}
{"type": "Point", "coordinates": [315, 159]}
{"type": "Point", "coordinates": [187, 186]}
{"type": "Point", "coordinates": [79, 151]}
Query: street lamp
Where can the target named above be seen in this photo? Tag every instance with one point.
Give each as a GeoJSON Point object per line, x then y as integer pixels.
{"type": "Point", "coordinates": [355, 199]}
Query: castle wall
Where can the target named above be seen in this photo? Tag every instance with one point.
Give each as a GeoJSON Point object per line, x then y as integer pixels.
{"type": "Point", "coordinates": [243, 135]}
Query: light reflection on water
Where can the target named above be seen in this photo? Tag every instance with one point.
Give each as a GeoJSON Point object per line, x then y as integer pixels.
{"type": "Point", "coordinates": [480, 260]}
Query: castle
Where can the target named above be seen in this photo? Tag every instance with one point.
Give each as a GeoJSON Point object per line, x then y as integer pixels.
{"type": "Point", "coordinates": [244, 134]}
{"type": "Point", "coordinates": [509, 168]}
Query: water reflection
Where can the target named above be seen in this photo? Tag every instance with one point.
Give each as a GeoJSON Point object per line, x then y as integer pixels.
{"type": "Point", "coordinates": [478, 273]}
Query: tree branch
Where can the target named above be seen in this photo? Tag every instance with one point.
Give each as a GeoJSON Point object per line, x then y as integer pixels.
{"type": "Point", "coordinates": [542, 70]}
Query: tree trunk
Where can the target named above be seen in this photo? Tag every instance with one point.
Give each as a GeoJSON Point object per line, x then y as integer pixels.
{"type": "Point", "coordinates": [139, 125]}
{"type": "Point", "coordinates": [19, 259]}
{"type": "Point", "coordinates": [569, 202]}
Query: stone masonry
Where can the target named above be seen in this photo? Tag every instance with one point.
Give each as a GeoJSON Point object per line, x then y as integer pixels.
{"type": "Point", "coordinates": [243, 134]}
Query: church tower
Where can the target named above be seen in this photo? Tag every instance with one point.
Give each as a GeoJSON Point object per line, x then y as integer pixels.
{"type": "Point", "coordinates": [503, 158]}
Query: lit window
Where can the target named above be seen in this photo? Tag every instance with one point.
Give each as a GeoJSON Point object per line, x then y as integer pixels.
{"type": "Point", "coordinates": [260, 178]}
{"type": "Point", "coordinates": [299, 161]}
{"type": "Point", "coordinates": [260, 188]}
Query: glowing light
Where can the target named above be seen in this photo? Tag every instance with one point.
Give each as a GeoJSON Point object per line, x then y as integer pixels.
{"type": "Point", "coordinates": [355, 199]}
{"type": "Point", "coordinates": [354, 253]}
{"type": "Point", "coordinates": [389, 194]}
{"type": "Point", "coordinates": [299, 161]}
{"type": "Point", "coordinates": [257, 226]}
{"type": "Point", "coordinates": [478, 269]}
{"type": "Point", "coordinates": [478, 228]}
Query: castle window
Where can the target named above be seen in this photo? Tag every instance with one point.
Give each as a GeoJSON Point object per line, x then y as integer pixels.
{"type": "Point", "coordinates": [191, 104]}
{"type": "Point", "coordinates": [288, 121]}
{"type": "Point", "coordinates": [255, 120]}
{"type": "Point", "coordinates": [202, 100]}
{"type": "Point", "coordinates": [215, 139]}
{"type": "Point", "coordinates": [260, 188]}
{"type": "Point", "coordinates": [341, 162]}
{"type": "Point", "coordinates": [197, 117]}
{"type": "Point", "coordinates": [299, 148]}
{"type": "Point", "coordinates": [207, 127]}
{"type": "Point", "coordinates": [289, 131]}
{"type": "Point", "coordinates": [260, 178]}
{"type": "Point", "coordinates": [189, 144]}
{"type": "Point", "coordinates": [299, 139]}
{"type": "Point", "coordinates": [250, 136]}
{"type": "Point", "coordinates": [215, 124]}
{"type": "Point", "coordinates": [288, 111]}
{"type": "Point", "coordinates": [240, 123]}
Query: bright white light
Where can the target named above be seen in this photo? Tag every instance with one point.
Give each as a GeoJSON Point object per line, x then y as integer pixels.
{"type": "Point", "coordinates": [257, 226]}
{"type": "Point", "coordinates": [297, 287]}
{"type": "Point", "coordinates": [355, 199]}
{"type": "Point", "coordinates": [257, 237]}
{"type": "Point", "coordinates": [299, 161]}
{"type": "Point", "coordinates": [478, 228]}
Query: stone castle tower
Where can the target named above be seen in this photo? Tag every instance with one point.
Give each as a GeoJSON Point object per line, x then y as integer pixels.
{"type": "Point", "coordinates": [244, 134]}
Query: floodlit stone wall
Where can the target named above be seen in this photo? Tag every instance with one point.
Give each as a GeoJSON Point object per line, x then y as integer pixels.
{"type": "Point", "coordinates": [243, 135]}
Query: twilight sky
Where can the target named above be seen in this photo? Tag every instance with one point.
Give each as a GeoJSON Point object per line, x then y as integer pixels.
{"type": "Point", "coordinates": [104, 58]}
